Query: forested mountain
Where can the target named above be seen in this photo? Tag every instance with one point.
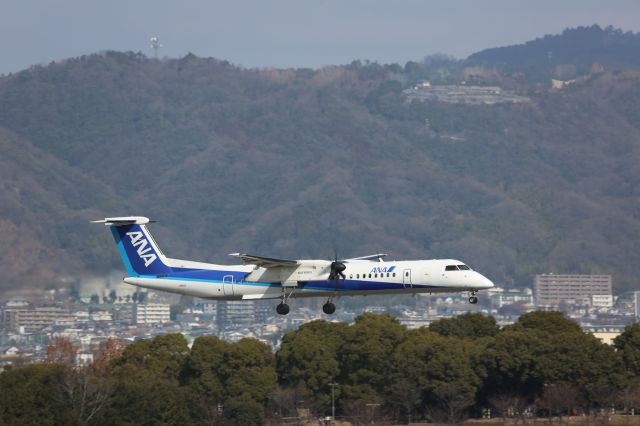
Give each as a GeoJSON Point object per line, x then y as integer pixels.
{"type": "Point", "coordinates": [301, 163]}
{"type": "Point", "coordinates": [577, 51]}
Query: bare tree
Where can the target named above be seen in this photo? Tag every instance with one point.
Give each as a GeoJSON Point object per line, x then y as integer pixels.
{"type": "Point", "coordinates": [629, 398]}
{"type": "Point", "coordinates": [404, 396]}
{"type": "Point", "coordinates": [285, 402]}
{"type": "Point", "coordinates": [61, 351]}
{"type": "Point", "coordinates": [453, 401]}
{"type": "Point", "coordinates": [111, 349]}
{"type": "Point", "coordinates": [363, 412]}
{"type": "Point", "coordinates": [85, 393]}
{"type": "Point", "coordinates": [505, 405]}
{"type": "Point", "coordinates": [559, 399]}
{"type": "Point", "coordinates": [602, 399]}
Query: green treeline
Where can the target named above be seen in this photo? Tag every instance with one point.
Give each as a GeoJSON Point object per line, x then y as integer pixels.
{"type": "Point", "coordinates": [451, 370]}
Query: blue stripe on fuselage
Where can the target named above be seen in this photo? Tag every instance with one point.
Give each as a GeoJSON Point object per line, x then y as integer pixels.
{"type": "Point", "coordinates": [351, 285]}
{"type": "Point", "coordinates": [216, 277]}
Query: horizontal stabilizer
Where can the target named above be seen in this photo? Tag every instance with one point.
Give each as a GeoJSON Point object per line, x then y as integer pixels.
{"type": "Point", "coordinates": [123, 221]}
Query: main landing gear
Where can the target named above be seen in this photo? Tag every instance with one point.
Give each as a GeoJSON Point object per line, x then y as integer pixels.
{"type": "Point", "coordinates": [329, 308]}
{"type": "Point", "coordinates": [472, 298]}
{"type": "Point", "coordinates": [282, 309]}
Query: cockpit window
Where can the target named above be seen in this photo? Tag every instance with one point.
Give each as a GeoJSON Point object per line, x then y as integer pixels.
{"type": "Point", "coordinates": [451, 268]}
{"type": "Point", "coordinates": [464, 267]}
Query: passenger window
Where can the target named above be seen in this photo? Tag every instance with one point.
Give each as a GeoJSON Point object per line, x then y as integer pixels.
{"type": "Point", "coordinates": [387, 275]}
{"type": "Point", "coordinates": [369, 275]}
{"type": "Point", "coordinates": [375, 276]}
{"type": "Point", "coordinates": [357, 275]}
{"type": "Point", "coordinates": [451, 268]}
{"type": "Point", "coordinates": [394, 275]}
{"type": "Point", "coordinates": [350, 276]}
{"type": "Point", "coordinates": [464, 267]}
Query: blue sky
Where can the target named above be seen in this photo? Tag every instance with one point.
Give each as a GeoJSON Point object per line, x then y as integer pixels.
{"type": "Point", "coordinates": [284, 33]}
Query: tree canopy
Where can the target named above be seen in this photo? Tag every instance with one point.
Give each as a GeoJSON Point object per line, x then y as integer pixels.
{"type": "Point", "coordinates": [441, 373]}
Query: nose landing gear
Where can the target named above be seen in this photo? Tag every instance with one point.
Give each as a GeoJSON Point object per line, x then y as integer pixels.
{"type": "Point", "coordinates": [472, 298]}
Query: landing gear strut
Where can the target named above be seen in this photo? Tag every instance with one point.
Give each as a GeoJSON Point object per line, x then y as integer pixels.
{"type": "Point", "coordinates": [283, 308]}
{"type": "Point", "coordinates": [472, 298]}
{"type": "Point", "coordinates": [329, 308]}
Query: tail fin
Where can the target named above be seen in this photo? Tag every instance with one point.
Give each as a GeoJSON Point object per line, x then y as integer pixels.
{"type": "Point", "coordinates": [139, 251]}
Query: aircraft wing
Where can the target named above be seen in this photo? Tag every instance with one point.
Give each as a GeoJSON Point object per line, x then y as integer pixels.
{"type": "Point", "coordinates": [378, 256]}
{"type": "Point", "coordinates": [266, 262]}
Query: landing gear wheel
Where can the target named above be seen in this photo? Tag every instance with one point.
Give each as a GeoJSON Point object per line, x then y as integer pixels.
{"type": "Point", "coordinates": [473, 300]}
{"type": "Point", "coordinates": [282, 309]}
{"type": "Point", "coordinates": [328, 308]}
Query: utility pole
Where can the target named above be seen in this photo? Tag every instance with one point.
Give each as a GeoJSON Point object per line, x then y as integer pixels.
{"type": "Point", "coordinates": [333, 401]}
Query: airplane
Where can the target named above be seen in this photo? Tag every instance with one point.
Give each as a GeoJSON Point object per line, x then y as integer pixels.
{"type": "Point", "coordinates": [268, 278]}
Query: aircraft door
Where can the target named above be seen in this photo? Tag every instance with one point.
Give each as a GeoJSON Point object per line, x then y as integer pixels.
{"type": "Point", "coordinates": [227, 285]}
{"type": "Point", "coordinates": [406, 278]}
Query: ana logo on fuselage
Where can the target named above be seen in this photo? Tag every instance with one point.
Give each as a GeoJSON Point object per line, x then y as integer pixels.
{"type": "Point", "coordinates": [143, 247]}
{"type": "Point", "coordinates": [381, 269]}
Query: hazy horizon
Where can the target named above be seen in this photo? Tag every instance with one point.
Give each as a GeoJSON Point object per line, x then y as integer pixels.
{"type": "Point", "coordinates": [290, 33]}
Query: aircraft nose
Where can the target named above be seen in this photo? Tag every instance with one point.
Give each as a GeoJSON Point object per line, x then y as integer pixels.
{"type": "Point", "coordinates": [488, 282]}
{"type": "Point", "coordinates": [484, 282]}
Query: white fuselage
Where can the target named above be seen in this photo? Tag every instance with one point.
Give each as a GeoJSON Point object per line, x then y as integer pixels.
{"type": "Point", "coordinates": [310, 278]}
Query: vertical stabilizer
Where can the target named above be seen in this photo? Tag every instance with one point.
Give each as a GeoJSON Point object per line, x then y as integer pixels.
{"type": "Point", "coordinates": [139, 251]}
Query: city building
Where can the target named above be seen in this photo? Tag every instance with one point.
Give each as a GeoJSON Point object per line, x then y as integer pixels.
{"type": "Point", "coordinates": [554, 289]}
{"type": "Point", "coordinates": [606, 334]}
{"type": "Point", "coordinates": [210, 308]}
{"type": "Point", "coordinates": [602, 300]}
{"type": "Point", "coordinates": [101, 315]}
{"type": "Point", "coordinates": [123, 314]}
{"type": "Point", "coordinates": [152, 313]}
{"type": "Point", "coordinates": [264, 311]}
{"type": "Point", "coordinates": [35, 319]}
{"type": "Point", "coordinates": [500, 297]}
{"type": "Point", "coordinates": [9, 316]}
{"type": "Point", "coordinates": [463, 94]}
{"type": "Point", "coordinates": [236, 312]}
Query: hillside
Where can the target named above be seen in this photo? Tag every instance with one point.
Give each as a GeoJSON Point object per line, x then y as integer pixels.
{"type": "Point", "coordinates": [577, 51]}
{"type": "Point", "coordinates": [301, 163]}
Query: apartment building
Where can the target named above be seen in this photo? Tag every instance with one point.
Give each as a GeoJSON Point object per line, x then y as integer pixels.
{"type": "Point", "coordinates": [554, 289]}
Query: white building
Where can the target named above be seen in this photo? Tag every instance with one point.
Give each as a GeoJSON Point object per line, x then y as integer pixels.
{"type": "Point", "coordinates": [152, 313]}
{"type": "Point", "coordinates": [602, 300]}
{"type": "Point", "coordinates": [501, 297]}
{"type": "Point", "coordinates": [83, 359]}
{"type": "Point", "coordinates": [101, 316]}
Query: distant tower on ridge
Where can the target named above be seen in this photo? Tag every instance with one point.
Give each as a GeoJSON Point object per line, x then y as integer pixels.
{"type": "Point", "coordinates": [155, 45]}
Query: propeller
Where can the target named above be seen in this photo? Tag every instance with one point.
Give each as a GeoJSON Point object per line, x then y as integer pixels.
{"type": "Point", "coordinates": [337, 270]}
